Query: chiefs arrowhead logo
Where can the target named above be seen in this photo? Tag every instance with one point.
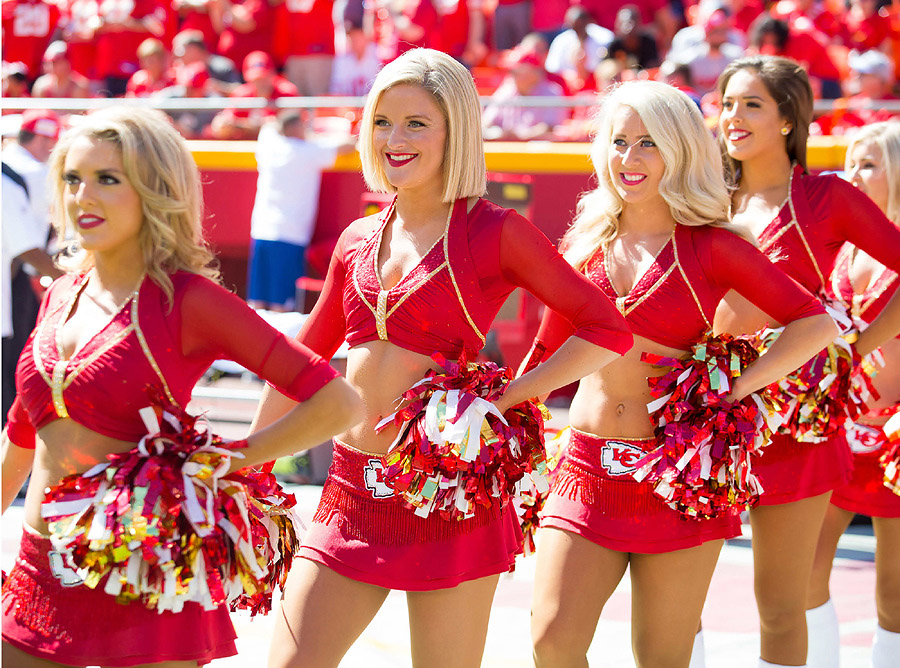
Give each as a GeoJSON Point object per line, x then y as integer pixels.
{"type": "Point", "coordinates": [620, 458]}
{"type": "Point", "coordinates": [373, 475]}
{"type": "Point", "coordinates": [864, 439]}
{"type": "Point", "coordinates": [66, 576]}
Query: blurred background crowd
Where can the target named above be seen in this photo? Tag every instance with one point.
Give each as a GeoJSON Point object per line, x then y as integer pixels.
{"type": "Point", "coordinates": [569, 49]}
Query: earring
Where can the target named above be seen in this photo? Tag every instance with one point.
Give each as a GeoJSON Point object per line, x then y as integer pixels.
{"type": "Point", "coordinates": [785, 131]}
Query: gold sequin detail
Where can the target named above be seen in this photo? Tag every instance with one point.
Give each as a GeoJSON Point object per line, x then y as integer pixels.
{"type": "Point", "coordinates": [56, 388]}
{"type": "Point", "coordinates": [381, 315]}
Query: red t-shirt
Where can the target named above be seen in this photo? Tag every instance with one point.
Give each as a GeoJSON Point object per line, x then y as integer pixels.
{"type": "Point", "coordinates": [193, 19]}
{"type": "Point", "coordinates": [605, 11]}
{"type": "Point", "coordinates": [304, 28]}
{"type": "Point", "coordinates": [549, 14]}
{"type": "Point", "coordinates": [419, 12]}
{"type": "Point", "coordinates": [803, 47]}
{"type": "Point", "coordinates": [866, 33]}
{"type": "Point", "coordinates": [141, 85]}
{"type": "Point", "coordinates": [454, 32]}
{"type": "Point", "coordinates": [78, 19]}
{"type": "Point", "coordinates": [117, 49]}
{"type": "Point", "coordinates": [283, 88]}
{"type": "Point", "coordinates": [236, 45]}
{"type": "Point", "coordinates": [27, 28]}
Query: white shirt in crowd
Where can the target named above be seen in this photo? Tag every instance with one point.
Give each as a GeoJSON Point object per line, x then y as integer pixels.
{"type": "Point", "coordinates": [350, 76]}
{"type": "Point", "coordinates": [21, 232]}
{"type": "Point", "coordinates": [565, 46]}
{"type": "Point", "coordinates": [287, 190]}
{"type": "Point", "coordinates": [34, 172]}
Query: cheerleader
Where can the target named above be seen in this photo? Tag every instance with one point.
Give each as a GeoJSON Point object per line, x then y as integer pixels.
{"type": "Point", "coordinates": [865, 286]}
{"type": "Point", "coordinates": [654, 237]}
{"type": "Point", "coordinates": [800, 221]}
{"type": "Point", "coordinates": [139, 314]}
{"type": "Point", "coordinates": [408, 288]}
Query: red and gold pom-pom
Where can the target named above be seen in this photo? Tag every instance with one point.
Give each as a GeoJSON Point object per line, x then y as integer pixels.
{"type": "Point", "coordinates": [832, 387]}
{"type": "Point", "coordinates": [162, 524]}
{"type": "Point", "coordinates": [531, 501]}
{"type": "Point", "coordinates": [702, 468]}
{"type": "Point", "coordinates": [890, 460]}
{"type": "Point", "coordinates": [454, 450]}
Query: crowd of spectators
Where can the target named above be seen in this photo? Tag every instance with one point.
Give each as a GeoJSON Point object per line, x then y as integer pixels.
{"type": "Point", "coordinates": [568, 48]}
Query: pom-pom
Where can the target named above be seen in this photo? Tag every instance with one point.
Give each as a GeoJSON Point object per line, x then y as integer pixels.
{"type": "Point", "coordinates": [702, 466]}
{"type": "Point", "coordinates": [890, 460]}
{"type": "Point", "coordinates": [455, 450]}
{"type": "Point", "coordinates": [531, 500]}
{"type": "Point", "coordinates": [164, 525]}
{"type": "Point", "coordinates": [832, 387]}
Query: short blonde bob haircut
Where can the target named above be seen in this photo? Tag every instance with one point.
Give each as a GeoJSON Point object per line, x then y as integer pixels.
{"type": "Point", "coordinates": [450, 83]}
{"type": "Point", "coordinates": [692, 184]}
{"type": "Point", "coordinates": [886, 136]}
{"type": "Point", "coordinates": [161, 169]}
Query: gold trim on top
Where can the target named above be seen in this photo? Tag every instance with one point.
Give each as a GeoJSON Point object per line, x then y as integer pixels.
{"type": "Point", "coordinates": [871, 299]}
{"type": "Point", "coordinates": [459, 296]}
{"type": "Point", "coordinates": [135, 323]}
{"type": "Point", "coordinates": [690, 287]}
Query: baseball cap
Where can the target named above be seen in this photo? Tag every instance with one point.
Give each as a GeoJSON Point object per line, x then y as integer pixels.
{"type": "Point", "coordinates": [256, 63]}
{"type": "Point", "coordinates": [41, 122]}
{"type": "Point", "coordinates": [56, 50]}
{"type": "Point", "coordinates": [870, 62]}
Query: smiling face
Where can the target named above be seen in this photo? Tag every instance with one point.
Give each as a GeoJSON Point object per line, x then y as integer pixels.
{"type": "Point", "coordinates": [865, 167]}
{"type": "Point", "coordinates": [750, 123]}
{"type": "Point", "coordinates": [410, 137]}
{"type": "Point", "coordinates": [635, 163]}
{"type": "Point", "coordinates": [103, 206]}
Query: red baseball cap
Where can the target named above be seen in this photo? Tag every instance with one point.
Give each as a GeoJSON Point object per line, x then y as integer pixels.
{"type": "Point", "coordinates": [41, 122]}
{"type": "Point", "coordinates": [255, 63]}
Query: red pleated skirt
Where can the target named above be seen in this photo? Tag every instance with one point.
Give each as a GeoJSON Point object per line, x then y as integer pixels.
{"type": "Point", "coordinates": [48, 613]}
{"type": "Point", "coordinates": [595, 496]}
{"type": "Point", "coordinates": [791, 471]}
{"type": "Point", "coordinates": [865, 493]}
{"type": "Point", "coordinates": [363, 531]}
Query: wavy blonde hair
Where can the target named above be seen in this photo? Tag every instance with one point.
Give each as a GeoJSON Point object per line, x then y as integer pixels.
{"type": "Point", "coordinates": [453, 89]}
{"type": "Point", "coordinates": [886, 136]}
{"type": "Point", "coordinates": [693, 183]}
{"type": "Point", "coordinates": [160, 167]}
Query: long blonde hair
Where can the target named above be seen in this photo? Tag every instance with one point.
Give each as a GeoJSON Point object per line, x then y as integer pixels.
{"type": "Point", "coordinates": [886, 136]}
{"type": "Point", "coordinates": [453, 89]}
{"type": "Point", "coordinates": [693, 184]}
{"type": "Point", "coordinates": [160, 167]}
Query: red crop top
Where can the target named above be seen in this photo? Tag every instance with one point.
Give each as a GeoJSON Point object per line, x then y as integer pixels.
{"type": "Point", "coordinates": [820, 214]}
{"type": "Point", "coordinates": [105, 383]}
{"type": "Point", "coordinates": [674, 302]}
{"type": "Point", "coordinates": [448, 302]}
{"type": "Point", "coordinates": [866, 305]}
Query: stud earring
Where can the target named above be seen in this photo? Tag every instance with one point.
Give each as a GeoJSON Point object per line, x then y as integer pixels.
{"type": "Point", "coordinates": [785, 131]}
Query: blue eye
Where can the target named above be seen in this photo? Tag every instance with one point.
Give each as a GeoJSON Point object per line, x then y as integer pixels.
{"type": "Point", "coordinates": [648, 143]}
{"type": "Point", "coordinates": [619, 142]}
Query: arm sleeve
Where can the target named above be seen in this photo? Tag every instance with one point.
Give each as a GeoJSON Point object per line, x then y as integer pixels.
{"type": "Point", "coordinates": [857, 219]}
{"type": "Point", "coordinates": [218, 323]}
{"type": "Point", "coordinates": [529, 260]}
{"type": "Point", "coordinates": [325, 328]}
{"type": "Point", "coordinates": [738, 265]}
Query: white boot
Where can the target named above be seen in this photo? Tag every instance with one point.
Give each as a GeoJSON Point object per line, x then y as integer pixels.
{"type": "Point", "coordinates": [824, 637]}
{"type": "Point", "coordinates": [766, 664]}
{"type": "Point", "coordinates": [885, 649]}
{"type": "Point", "coordinates": [698, 654]}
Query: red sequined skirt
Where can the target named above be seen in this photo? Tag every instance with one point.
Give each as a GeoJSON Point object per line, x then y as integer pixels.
{"type": "Point", "coordinates": [48, 613]}
{"type": "Point", "coordinates": [865, 493]}
{"type": "Point", "coordinates": [595, 496]}
{"type": "Point", "coordinates": [364, 532]}
{"type": "Point", "coordinates": [791, 471]}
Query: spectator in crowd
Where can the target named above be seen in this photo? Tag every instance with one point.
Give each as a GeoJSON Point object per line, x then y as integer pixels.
{"type": "Point", "coordinates": [123, 27]}
{"type": "Point", "coordinates": [243, 26]}
{"type": "Point", "coordinates": [28, 27]}
{"type": "Point", "coordinates": [285, 208]}
{"type": "Point", "coordinates": [870, 81]}
{"type": "Point", "coordinates": [15, 80]}
{"type": "Point", "coordinates": [262, 81]}
{"type": "Point", "coordinates": [771, 36]}
{"type": "Point", "coordinates": [512, 21]}
{"type": "Point", "coordinates": [304, 42]}
{"type": "Point", "coordinates": [194, 15]}
{"type": "Point", "coordinates": [400, 25]}
{"type": "Point", "coordinates": [549, 18]}
{"type": "Point", "coordinates": [155, 73]}
{"type": "Point", "coordinates": [354, 70]}
{"type": "Point", "coordinates": [80, 20]}
{"type": "Point", "coordinates": [801, 14]}
{"type": "Point", "coordinates": [865, 27]}
{"type": "Point", "coordinates": [191, 82]}
{"type": "Point", "coordinates": [26, 229]}
{"type": "Point", "coordinates": [709, 59]}
{"type": "Point", "coordinates": [633, 43]}
{"type": "Point", "coordinates": [690, 38]}
{"type": "Point", "coordinates": [526, 76]}
{"type": "Point", "coordinates": [744, 13]}
{"type": "Point", "coordinates": [679, 76]}
{"type": "Point", "coordinates": [189, 48]}
{"type": "Point", "coordinates": [657, 14]}
{"type": "Point", "coordinates": [575, 53]}
{"type": "Point", "coordinates": [59, 79]}
{"type": "Point", "coordinates": [462, 30]}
